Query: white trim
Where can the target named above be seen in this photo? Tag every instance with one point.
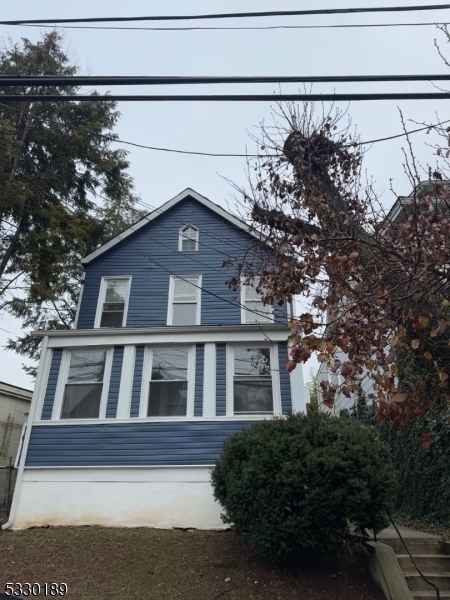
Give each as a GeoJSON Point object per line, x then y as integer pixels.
{"type": "Point", "coordinates": [182, 237]}
{"type": "Point", "coordinates": [297, 385]}
{"type": "Point", "coordinates": [198, 302]}
{"type": "Point", "coordinates": [62, 380]}
{"type": "Point", "coordinates": [276, 389]}
{"type": "Point", "coordinates": [38, 391]}
{"type": "Point", "coordinates": [159, 211]}
{"type": "Point", "coordinates": [209, 380]}
{"type": "Point", "coordinates": [167, 335]}
{"type": "Point", "coordinates": [126, 383]}
{"type": "Point", "coordinates": [80, 297]}
{"type": "Point", "coordinates": [45, 363]}
{"type": "Point", "coordinates": [102, 295]}
{"type": "Point", "coordinates": [146, 379]}
{"type": "Point", "coordinates": [134, 420]}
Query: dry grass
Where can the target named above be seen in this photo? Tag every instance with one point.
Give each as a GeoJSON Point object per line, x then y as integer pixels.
{"type": "Point", "coordinates": [112, 564]}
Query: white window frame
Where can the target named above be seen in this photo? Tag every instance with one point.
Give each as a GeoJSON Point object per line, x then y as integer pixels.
{"type": "Point", "coordinates": [62, 380]}
{"type": "Point", "coordinates": [147, 377]}
{"type": "Point", "coordinates": [171, 295]}
{"type": "Point", "coordinates": [275, 371]}
{"type": "Point", "coordinates": [244, 310]}
{"type": "Point", "coordinates": [102, 296]}
{"type": "Point", "coordinates": [181, 237]}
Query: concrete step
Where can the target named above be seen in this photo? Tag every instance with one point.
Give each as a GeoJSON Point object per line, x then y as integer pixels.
{"type": "Point", "coordinates": [430, 595]}
{"type": "Point", "coordinates": [434, 563]}
{"type": "Point", "coordinates": [416, 546]}
{"type": "Point", "coordinates": [417, 584]}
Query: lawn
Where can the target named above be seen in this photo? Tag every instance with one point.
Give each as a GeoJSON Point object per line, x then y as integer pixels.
{"type": "Point", "coordinates": [151, 564]}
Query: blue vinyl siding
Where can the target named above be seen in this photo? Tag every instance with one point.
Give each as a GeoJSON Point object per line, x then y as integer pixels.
{"type": "Point", "coordinates": [114, 383]}
{"type": "Point", "coordinates": [285, 381]}
{"type": "Point", "coordinates": [137, 382]}
{"type": "Point", "coordinates": [199, 367]}
{"type": "Point", "coordinates": [221, 380]}
{"type": "Point", "coordinates": [51, 384]}
{"type": "Point", "coordinates": [219, 240]}
{"type": "Point", "coordinates": [118, 444]}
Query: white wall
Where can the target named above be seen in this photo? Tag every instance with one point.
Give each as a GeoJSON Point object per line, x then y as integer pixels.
{"type": "Point", "coordinates": [118, 497]}
{"type": "Point", "coordinates": [14, 409]}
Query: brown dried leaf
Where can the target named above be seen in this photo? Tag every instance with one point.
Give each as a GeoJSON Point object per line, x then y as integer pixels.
{"type": "Point", "coordinates": [415, 344]}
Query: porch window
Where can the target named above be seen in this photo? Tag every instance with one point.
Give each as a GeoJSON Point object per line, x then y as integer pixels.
{"type": "Point", "coordinates": [184, 301]}
{"type": "Point", "coordinates": [113, 302]}
{"type": "Point", "coordinates": [84, 387]}
{"type": "Point", "coordinates": [253, 309]}
{"type": "Point", "coordinates": [252, 381]}
{"type": "Point", "coordinates": [168, 393]}
{"type": "Point", "coordinates": [188, 239]}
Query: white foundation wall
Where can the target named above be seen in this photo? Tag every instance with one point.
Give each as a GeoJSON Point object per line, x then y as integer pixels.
{"type": "Point", "coordinates": [118, 497]}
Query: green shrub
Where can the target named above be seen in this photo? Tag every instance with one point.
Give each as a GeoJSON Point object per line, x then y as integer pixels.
{"type": "Point", "coordinates": [294, 484]}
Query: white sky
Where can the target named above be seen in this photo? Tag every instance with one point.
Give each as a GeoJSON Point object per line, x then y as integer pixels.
{"type": "Point", "coordinates": [223, 127]}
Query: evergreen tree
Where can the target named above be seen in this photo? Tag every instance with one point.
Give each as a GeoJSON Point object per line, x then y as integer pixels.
{"type": "Point", "coordinates": [55, 161]}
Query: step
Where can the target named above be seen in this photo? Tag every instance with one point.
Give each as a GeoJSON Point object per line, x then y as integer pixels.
{"type": "Point", "coordinates": [417, 584]}
{"type": "Point", "coordinates": [430, 595]}
{"type": "Point", "coordinates": [416, 545]}
{"type": "Point", "coordinates": [434, 563]}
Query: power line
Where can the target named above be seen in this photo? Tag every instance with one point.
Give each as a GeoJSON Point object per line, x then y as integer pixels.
{"type": "Point", "coordinates": [81, 80]}
{"type": "Point", "coordinates": [212, 154]}
{"type": "Point", "coordinates": [240, 15]}
{"type": "Point", "coordinates": [226, 97]}
{"type": "Point", "coordinates": [256, 28]}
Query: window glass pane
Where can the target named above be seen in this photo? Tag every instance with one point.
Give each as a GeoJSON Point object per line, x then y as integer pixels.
{"type": "Point", "coordinates": [250, 290]}
{"type": "Point", "coordinates": [112, 315]}
{"type": "Point", "coordinates": [167, 399]}
{"type": "Point", "coordinates": [82, 401]}
{"type": "Point", "coordinates": [262, 314]}
{"type": "Point", "coordinates": [169, 364]}
{"type": "Point", "coordinates": [184, 290]}
{"type": "Point", "coordinates": [184, 314]}
{"type": "Point", "coordinates": [254, 396]}
{"type": "Point", "coordinates": [86, 366]}
{"type": "Point", "coordinates": [188, 245]}
{"type": "Point", "coordinates": [116, 290]}
{"type": "Point", "coordinates": [254, 362]}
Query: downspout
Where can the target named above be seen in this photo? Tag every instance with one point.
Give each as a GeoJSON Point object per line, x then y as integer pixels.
{"type": "Point", "coordinates": [34, 403]}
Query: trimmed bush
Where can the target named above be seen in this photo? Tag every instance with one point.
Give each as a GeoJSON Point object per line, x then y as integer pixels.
{"type": "Point", "coordinates": [294, 484]}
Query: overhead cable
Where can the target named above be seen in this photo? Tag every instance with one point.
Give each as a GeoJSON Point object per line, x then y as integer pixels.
{"type": "Point", "coordinates": [239, 15]}
{"type": "Point", "coordinates": [212, 154]}
{"type": "Point", "coordinates": [244, 28]}
{"type": "Point", "coordinates": [226, 97]}
{"type": "Point", "coordinates": [112, 80]}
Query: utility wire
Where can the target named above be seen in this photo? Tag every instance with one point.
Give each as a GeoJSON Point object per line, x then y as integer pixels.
{"type": "Point", "coordinates": [260, 28]}
{"type": "Point", "coordinates": [226, 97]}
{"type": "Point", "coordinates": [222, 155]}
{"type": "Point", "coordinates": [112, 80]}
{"type": "Point", "coordinates": [240, 15]}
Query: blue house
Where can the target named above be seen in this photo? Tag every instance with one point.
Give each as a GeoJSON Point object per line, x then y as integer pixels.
{"type": "Point", "coordinates": [131, 407]}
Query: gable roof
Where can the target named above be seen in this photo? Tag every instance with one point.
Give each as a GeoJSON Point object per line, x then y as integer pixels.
{"type": "Point", "coordinates": [188, 192]}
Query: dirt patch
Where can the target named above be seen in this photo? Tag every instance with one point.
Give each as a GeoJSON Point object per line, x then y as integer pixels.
{"type": "Point", "coordinates": [148, 564]}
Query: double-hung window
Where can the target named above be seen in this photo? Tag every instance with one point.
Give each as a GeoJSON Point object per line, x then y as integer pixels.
{"type": "Point", "coordinates": [253, 386]}
{"type": "Point", "coordinates": [83, 384]}
{"type": "Point", "coordinates": [184, 300]}
{"type": "Point", "coordinates": [253, 310]}
{"type": "Point", "coordinates": [113, 302]}
{"type": "Point", "coordinates": [168, 382]}
{"type": "Point", "coordinates": [188, 239]}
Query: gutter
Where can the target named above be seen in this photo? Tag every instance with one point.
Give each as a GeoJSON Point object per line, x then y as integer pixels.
{"type": "Point", "coordinates": [26, 441]}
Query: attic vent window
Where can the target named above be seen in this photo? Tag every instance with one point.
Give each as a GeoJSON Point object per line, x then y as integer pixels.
{"type": "Point", "coordinates": [188, 239]}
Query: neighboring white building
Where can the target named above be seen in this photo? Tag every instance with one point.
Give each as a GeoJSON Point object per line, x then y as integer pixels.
{"type": "Point", "coordinates": [14, 408]}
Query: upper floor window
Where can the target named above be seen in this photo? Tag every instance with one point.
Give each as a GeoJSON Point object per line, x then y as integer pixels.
{"type": "Point", "coordinates": [253, 310]}
{"type": "Point", "coordinates": [188, 239]}
{"type": "Point", "coordinates": [113, 302]}
{"type": "Point", "coordinates": [83, 384]}
{"type": "Point", "coordinates": [184, 300]}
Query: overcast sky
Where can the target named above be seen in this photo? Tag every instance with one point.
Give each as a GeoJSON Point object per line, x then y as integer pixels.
{"type": "Point", "coordinates": [224, 127]}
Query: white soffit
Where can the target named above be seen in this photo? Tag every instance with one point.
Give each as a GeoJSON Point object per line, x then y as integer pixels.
{"type": "Point", "coordinates": [162, 209]}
